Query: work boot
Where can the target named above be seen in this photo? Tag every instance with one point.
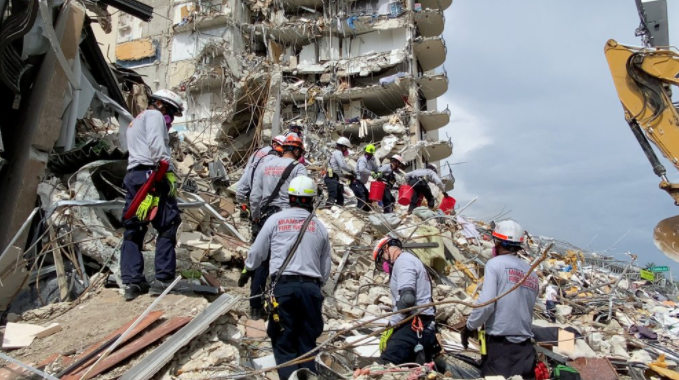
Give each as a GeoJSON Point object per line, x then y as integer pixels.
{"type": "Point", "coordinates": [256, 313]}
{"type": "Point", "coordinates": [133, 291]}
{"type": "Point", "coordinates": [158, 287]}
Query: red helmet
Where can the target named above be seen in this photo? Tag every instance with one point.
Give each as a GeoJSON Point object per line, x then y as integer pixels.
{"type": "Point", "coordinates": [293, 141]}
{"type": "Point", "coordinates": [384, 243]}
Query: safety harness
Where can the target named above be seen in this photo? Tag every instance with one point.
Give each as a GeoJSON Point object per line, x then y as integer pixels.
{"type": "Point", "coordinates": [270, 303]}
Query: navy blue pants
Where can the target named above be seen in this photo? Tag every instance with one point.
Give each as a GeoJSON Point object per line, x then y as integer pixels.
{"type": "Point", "coordinates": [166, 222]}
{"type": "Point", "coordinates": [388, 200]}
{"type": "Point", "coordinates": [258, 281]}
{"type": "Point", "coordinates": [300, 323]}
{"type": "Point", "coordinates": [401, 345]}
{"type": "Point", "coordinates": [420, 187]}
{"type": "Point", "coordinates": [361, 193]}
{"type": "Point", "coordinates": [508, 359]}
{"type": "Point", "coordinates": [335, 189]}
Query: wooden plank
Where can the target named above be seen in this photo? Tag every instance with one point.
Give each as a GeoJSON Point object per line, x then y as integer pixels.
{"type": "Point", "coordinates": [136, 346]}
{"type": "Point", "coordinates": [566, 342]}
{"type": "Point", "coordinates": [151, 364]}
{"type": "Point", "coordinates": [146, 322]}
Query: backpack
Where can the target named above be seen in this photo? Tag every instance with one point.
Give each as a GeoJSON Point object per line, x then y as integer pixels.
{"type": "Point", "coordinates": [564, 372]}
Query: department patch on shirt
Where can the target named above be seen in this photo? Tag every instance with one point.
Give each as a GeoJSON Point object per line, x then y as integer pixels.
{"type": "Point", "coordinates": [289, 224]}
{"type": "Point", "coordinates": [514, 276]}
{"type": "Point", "coordinates": [274, 170]}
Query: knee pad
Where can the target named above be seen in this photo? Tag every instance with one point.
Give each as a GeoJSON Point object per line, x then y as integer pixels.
{"type": "Point", "coordinates": [136, 234]}
{"type": "Point", "coordinates": [169, 233]}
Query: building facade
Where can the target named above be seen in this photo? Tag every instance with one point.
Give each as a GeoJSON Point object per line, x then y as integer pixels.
{"type": "Point", "coordinates": [369, 70]}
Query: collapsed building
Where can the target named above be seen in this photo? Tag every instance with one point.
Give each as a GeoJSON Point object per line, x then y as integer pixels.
{"type": "Point", "coordinates": [363, 70]}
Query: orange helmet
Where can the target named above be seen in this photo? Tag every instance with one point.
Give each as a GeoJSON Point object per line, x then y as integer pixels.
{"type": "Point", "coordinates": [292, 141]}
{"type": "Point", "coordinates": [384, 243]}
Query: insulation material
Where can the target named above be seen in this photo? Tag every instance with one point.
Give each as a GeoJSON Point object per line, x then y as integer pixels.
{"type": "Point", "coordinates": [434, 257]}
{"type": "Point", "coordinates": [135, 50]}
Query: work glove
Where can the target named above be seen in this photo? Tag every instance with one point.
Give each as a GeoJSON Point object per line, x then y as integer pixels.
{"type": "Point", "coordinates": [173, 184]}
{"type": "Point", "coordinates": [384, 339]}
{"type": "Point", "coordinates": [466, 333]}
{"type": "Point", "coordinates": [144, 207]}
{"type": "Point", "coordinates": [244, 277]}
{"type": "Point", "coordinates": [244, 211]}
{"type": "Point", "coordinates": [376, 175]}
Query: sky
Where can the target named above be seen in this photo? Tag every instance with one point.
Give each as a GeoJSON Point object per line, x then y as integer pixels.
{"type": "Point", "coordinates": [536, 118]}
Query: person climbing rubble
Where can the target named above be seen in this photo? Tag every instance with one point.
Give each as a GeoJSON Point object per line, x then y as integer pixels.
{"type": "Point", "coordinates": [269, 196]}
{"type": "Point", "coordinates": [508, 333]}
{"type": "Point", "coordinates": [419, 180]}
{"type": "Point", "coordinates": [337, 167]}
{"type": "Point", "coordinates": [387, 173]}
{"type": "Point", "coordinates": [551, 300]}
{"type": "Point", "coordinates": [148, 145]}
{"type": "Point", "coordinates": [244, 185]}
{"type": "Point", "coordinates": [296, 320]}
{"type": "Point", "coordinates": [414, 341]}
{"type": "Point", "coordinates": [365, 167]}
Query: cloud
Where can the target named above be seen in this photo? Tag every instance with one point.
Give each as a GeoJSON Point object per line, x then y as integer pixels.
{"type": "Point", "coordinates": [536, 116]}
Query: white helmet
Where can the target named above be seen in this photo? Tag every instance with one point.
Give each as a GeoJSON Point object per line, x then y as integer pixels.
{"type": "Point", "coordinates": [398, 158]}
{"type": "Point", "coordinates": [302, 186]}
{"type": "Point", "coordinates": [171, 98]}
{"type": "Point", "coordinates": [280, 139]}
{"type": "Point", "coordinates": [344, 142]}
{"type": "Point", "coordinates": [509, 232]}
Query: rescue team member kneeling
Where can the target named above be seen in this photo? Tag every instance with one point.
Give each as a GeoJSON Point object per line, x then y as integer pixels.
{"type": "Point", "coordinates": [508, 320]}
{"type": "Point", "coordinates": [298, 291]}
{"type": "Point", "coordinates": [411, 342]}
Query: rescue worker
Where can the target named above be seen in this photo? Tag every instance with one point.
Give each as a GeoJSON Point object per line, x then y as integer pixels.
{"type": "Point", "coordinates": [244, 185]}
{"type": "Point", "coordinates": [410, 285]}
{"type": "Point", "coordinates": [298, 291]}
{"type": "Point", "coordinates": [296, 130]}
{"type": "Point", "coordinates": [148, 144]}
{"type": "Point", "coordinates": [337, 167]}
{"type": "Point", "coordinates": [551, 300]}
{"type": "Point", "coordinates": [419, 180]}
{"type": "Point", "coordinates": [265, 201]}
{"type": "Point", "coordinates": [387, 174]}
{"type": "Point", "coordinates": [508, 333]}
{"type": "Point", "coordinates": [365, 167]}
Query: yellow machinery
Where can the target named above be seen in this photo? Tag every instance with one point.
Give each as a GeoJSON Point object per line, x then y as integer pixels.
{"type": "Point", "coordinates": [643, 78]}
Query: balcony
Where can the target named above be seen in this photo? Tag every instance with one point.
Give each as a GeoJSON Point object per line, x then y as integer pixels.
{"type": "Point", "coordinates": [430, 52]}
{"type": "Point", "coordinates": [433, 85]}
{"type": "Point", "coordinates": [436, 4]}
{"type": "Point", "coordinates": [437, 151]}
{"type": "Point", "coordinates": [433, 120]}
{"type": "Point", "coordinates": [430, 22]}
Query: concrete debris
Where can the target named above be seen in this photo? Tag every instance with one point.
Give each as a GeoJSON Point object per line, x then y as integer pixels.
{"type": "Point", "coordinates": [248, 70]}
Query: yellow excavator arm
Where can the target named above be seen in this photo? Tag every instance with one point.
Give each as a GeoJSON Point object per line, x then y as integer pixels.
{"type": "Point", "coordinates": [643, 79]}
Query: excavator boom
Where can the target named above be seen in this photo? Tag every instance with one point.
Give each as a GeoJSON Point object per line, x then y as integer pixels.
{"type": "Point", "coordinates": [643, 78]}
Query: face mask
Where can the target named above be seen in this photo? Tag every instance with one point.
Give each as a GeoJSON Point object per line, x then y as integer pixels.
{"type": "Point", "coordinates": [168, 121]}
{"type": "Point", "coordinates": [386, 267]}
{"type": "Point", "coordinates": [345, 153]}
{"type": "Point", "coordinates": [494, 251]}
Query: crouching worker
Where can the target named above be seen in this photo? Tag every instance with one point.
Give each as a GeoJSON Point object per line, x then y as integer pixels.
{"type": "Point", "coordinates": [414, 341]}
{"type": "Point", "coordinates": [296, 320]}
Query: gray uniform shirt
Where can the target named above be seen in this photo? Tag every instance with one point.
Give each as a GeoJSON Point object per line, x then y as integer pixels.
{"type": "Point", "coordinates": [147, 140]}
{"type": "Point", "coordinates": [512, 315]}
{"type": "Point", "coordinates": [428, 175]}
{"type": "Point", "coordinates": [409, 272]}
{"type": "Point", "coordinates": [338, 165]}
{"type": "Point", "coordinates": [267, 176]}
{"type": "Point", "coordinates": [244, 184]}
{"type": "Point", "coordinates": [364, 167]}
{"type": "Point", "coordinates": [278, 235]}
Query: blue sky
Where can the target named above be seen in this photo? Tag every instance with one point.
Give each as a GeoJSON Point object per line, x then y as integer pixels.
{"type": "Point", "coordinates": [536, 116]}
